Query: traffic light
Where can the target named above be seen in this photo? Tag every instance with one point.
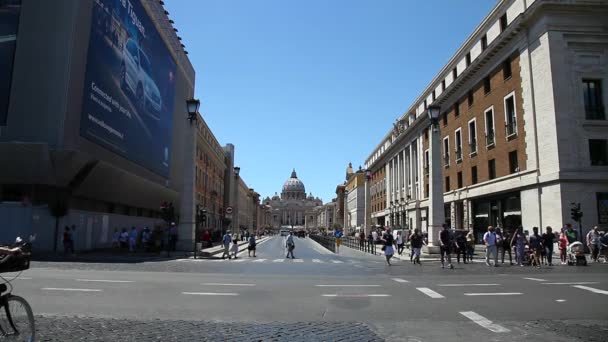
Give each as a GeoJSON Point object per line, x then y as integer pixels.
{"type": "Point", "coordinates": [575, 212]}
{"type": "Point", "coordinates": [167, 211]}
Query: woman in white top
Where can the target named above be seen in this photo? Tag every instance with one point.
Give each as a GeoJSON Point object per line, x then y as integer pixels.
{"type": "Point", "coordinates": [234, 248]}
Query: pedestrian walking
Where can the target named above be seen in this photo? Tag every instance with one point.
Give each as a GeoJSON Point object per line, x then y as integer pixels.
{"type": "Point", "coordinates": [226, 239]}
{"type": "Point", "coordinates": [399, 242]}
{"type": "Point", "coordinates": [173, 237]}
{"type": "Point", "coordinates": [234, 248]}
{"type": "Point", "coordinates": [570, 234]}
{"type": "Point", "coordinates": [416, 242]}
{"type": "Point", "coordinates": [251, 246]}
{"type": "Point", "coordinates": [387, 245]}
{"type": "Point", "coordinates": [461, 247]}
{"type": "Point", "coordinates": [146, 239]}
{"type": "Point", "coordinates": [361, 240]}
{"type": "Point", "coordinates": [536, 246]}
{"type": "Point", "coordinates": [562, 244]}
{"type": "Point", "coordinates": [124, 239]}
{"type": "Point", "coordinates": [489, 239]}
{"type": "Point", "coordinates": [470, 245]}
{"type": "Point", "coordinates": [445, 247]}
{"type": "Point", "coordinates": [290, 245]}
{"type": "Point", "coordinates": [207, 239]}
{"type": "Point", "coordinates": [338, 235]}
{"type": "Point", "coordinates": [370, 243]}
{"type": "Point", "coordinates": [506, 248]}
{"type": "Point", "coordinates": [116, 238]}
{"type": "Point", "coordinates": [548, 239]}
{"type": "Point", "coordinates": [67, 241]}
{"type": "Point", "coordinates": [593, 242]}
{"type": "Point", "coordinates": [499, 240]}
{"type": "Point", "coordinates": [132, 239]}
{"type": "Point", "coordinates": [519, 241]}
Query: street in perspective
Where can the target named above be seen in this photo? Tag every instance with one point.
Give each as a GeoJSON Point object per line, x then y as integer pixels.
{"type": "Point", "coordinates": [417, 171]}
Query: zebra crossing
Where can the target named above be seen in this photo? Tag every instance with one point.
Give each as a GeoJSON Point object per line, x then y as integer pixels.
{"type": "Point", "coordinates": [273, 261]}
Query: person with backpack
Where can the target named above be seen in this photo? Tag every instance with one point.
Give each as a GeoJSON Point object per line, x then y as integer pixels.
{"type": "Point", "coordinates": [548, 240]}
{"type": "Point", "coordinates": [252, 244]}
{"type": "Point", "coordinates": [506, 248]}
{"type": "Point", "coordinates": [388, 241]}
{"type": "Point", "coordinates": [226, 239]}
{"type": "Point", "coordinates": [416, 242]}
{"type": "Point", "coordinates": [445, 246]}
{"type": "Point", "coordinates": [290, 245]}
{"type": "Point", "coordinates": [461, 247]}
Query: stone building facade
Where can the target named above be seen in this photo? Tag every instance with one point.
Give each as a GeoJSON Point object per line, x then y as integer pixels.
{"type": "Point", "coordinates": [523, 131]}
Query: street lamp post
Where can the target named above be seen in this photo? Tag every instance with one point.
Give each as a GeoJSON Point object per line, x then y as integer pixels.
{"type": "Point", "coordinates": [367, 212]}
{"type": "Point", "coordinates": [235, 221]}
{"type": "Point", "coordinates": [436, 212]}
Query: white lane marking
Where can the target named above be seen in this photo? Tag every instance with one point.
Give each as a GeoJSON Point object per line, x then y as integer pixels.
{"type": "Point", "coordinates": [452, 285]}
{"type": "Point", "coordinates": [22, 278]}
{"type": "Point", "coordinates": [210, 293]}
{"type": "Point", "coordinates": [70, 289]}
{"type": "Point", "coordinates": [350, 285]}
{"type": "Point", "coordinates": [429, 292]}
{"type": "Point", "coordinates": [105, 281]}
{"type": "Point", "coordinates": [259, 260]}
{"type": "Point", "coordinates": [484, 322]}
{"type": "Point", "coordinates": [220, 284]}
{"type": "Point", "coordinates": [592, 289]}
{"type": "Point", "coordinates": [297, 260]}
{"type": "Point", "coordinates": [574, 283]}
{"type": "Point", "coordinates": [560, 300]}
{"type": "Point", "coordinates": [399, 280]}
{"type": "Point", "coordinates": [535, 279]}
{"type": "Point", "coordinates": [238, 260]}
{"type": "Point", "coordinates": [494, 294]}
{"type": "Point", "coordinates": [278, 260]}
{"type": "Point", "coordinates": [337, 261]}
{"type": "Point", "coordinates": [317, 261]}
{"type": "Point", "coordinates": [355, 295]}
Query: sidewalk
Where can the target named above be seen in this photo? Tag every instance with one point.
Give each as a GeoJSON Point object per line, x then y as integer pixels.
{"type": "Point", "coordinates": [216, 251]}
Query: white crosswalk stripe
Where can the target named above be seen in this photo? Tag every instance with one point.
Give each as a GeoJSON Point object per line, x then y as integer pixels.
{"type": "Point", "coordinates": [337, 261]}
{"type": "Point", "coordinates": [278, 260]}
{"type": "Point", "coordinates": [259, 260]}
{"type": "Point", "coordinates": [317, 261]}
{"type": "Point", "coordinates": [297, 260]}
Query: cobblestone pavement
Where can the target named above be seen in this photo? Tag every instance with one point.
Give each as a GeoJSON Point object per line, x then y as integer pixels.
{"type": "Point", "coordinates": [57, 328]}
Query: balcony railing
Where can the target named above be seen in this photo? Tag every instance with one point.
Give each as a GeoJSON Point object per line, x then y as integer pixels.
{"type": "Point", "coordinates": [458, 154]}
{"type": "Point", "coordinates": [473, 146]}
{"type": "Point", "coordinates": [490, 138]}
{"type": "Point", "coordinates": [511, 128]}
{"type": "Point", "coordinates": [595, 113]}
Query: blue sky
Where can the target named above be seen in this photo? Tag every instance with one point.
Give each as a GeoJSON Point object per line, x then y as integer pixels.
{"type": "Point", "coordinates": [314, 84]}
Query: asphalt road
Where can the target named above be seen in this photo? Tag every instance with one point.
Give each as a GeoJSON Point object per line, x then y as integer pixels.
{"type": "Point", "coordinates": [318, 296]}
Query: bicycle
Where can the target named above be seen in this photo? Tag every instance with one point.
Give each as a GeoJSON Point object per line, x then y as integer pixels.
{"type": "Point", "coordinates": [16, 315]}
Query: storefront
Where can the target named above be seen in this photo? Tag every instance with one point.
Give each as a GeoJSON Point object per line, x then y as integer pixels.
{"type": "Point", "coordinates": [503, 211]}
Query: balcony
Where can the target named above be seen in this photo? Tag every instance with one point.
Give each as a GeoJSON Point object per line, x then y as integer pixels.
{"type": "Point", "coordinates": [473, 146]}
{"type": "Point", "coordinates": [595, 113]}
{"type": "Point", "coordinates": [459, 155]}
{"type": "Point", "coordinates": [511, 128]}
{"type": "Point", "coordinates": [490, 139]}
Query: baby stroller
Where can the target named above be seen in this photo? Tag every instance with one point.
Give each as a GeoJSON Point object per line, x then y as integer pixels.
{"type": "Point", "coordinates": [576, 254]}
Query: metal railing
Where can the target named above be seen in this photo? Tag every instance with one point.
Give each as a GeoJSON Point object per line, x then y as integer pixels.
{"type": "Point", "coordinates": [362, 245]}
{"type": "Point", "coordinates": [511, 128]}
{"type": "Point", "coordinates": [458, 154]}
{"type": "Point", "coordinates": [328, 242]}
{"type": "Point", "coordinates": [490, 138]}
{"type": "Point", "coordinates": [473, 146]}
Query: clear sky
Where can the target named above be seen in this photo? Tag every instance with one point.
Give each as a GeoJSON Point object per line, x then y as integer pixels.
{"type": "Point", "coordinates": [314, 84]}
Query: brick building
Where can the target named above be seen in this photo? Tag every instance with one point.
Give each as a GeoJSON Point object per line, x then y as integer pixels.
{"type": "Point", "coordinates": [523, 130]}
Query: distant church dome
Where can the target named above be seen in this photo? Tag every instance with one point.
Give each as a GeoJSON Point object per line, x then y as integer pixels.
{"type": "Point", "coordinates": [293, 184]}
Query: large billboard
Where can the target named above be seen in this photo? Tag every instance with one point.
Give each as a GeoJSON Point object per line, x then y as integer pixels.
{"type": "Point", "coordinates": [9, 22]}
{"type": "Point", "coordinates": [129, 85]}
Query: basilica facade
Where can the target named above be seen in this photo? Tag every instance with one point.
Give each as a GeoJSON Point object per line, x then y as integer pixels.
{"type": "Point", "coordinates": [293, 208]}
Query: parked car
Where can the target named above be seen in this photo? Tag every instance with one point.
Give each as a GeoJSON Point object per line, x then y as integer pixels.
{"type": "Point", "coordinates": [135, 70]}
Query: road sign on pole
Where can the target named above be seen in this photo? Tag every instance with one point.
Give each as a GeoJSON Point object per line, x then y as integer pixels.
{"type": "Point", "coordinates": [228, 210]}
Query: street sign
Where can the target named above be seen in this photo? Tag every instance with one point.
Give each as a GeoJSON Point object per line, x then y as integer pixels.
{"type": "Point", "coordinates": [228, 210]}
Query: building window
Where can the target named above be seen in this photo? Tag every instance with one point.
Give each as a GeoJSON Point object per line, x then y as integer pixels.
{"type": "Point", "coordinates": [426, 162]}
{"type": "Point", "coordinates": [474, 175]}
{"type": "Point", "coordinates": [447, 183]}
{"type": "Point", "coordinates": [510, 116]}
{"type": "Point", "coordinates": [433, 96]}
{"type": "Point", "coordinates": [489, 116]}
{"type": "Point", "coordinates": [458, 143]}
{"type": "Point", "coordinates": [444, 118]}
{"type": "Point", "coordinates": [484, 42]}
{"type": "Point", "coordinates": [503, 23]}
{"type": "Point", "coordinates": [470, 98]}
{"type": "Point", "coordinates": [443, 85]}
{"type": "Point", "coordinates": [506, 69]}
{"type": "Point", "coordinates": [426, 190]}
{"type": "Point", "coordinates": [446, 151]}
{"type": "Point", "coordinates": [472, 136]}
{"type": "Point", "coordinates": [492, 168]}
{"type": "Point", "coordinates": [456, 109]}
{"type": "Point", "coordinates": [602, 207]}
{"type": "Point", "coordinates": [425, 106]}
{"type": "Point", "coordinates": [513, 163]}
{"type": "Point", "coordinates": [468, 58]}
{"type": "Point", "coordinates": [459, 179]}
{"type": "Point", "coordinates": [598, 151]}
{"type": "Point", "coordinates": [594, 104]}
{"type": "Point", "coordinates": [487, 87]}
{"type": "Point", "coordinates": [455, 73]}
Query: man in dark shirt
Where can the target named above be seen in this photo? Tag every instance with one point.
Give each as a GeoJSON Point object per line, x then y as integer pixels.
{"type": "Point", "coordinates": [548, 239]}
{"type": "Point", "coordinates": [445, 246]}
{"type": "Point", "coordinates": [536, 245]}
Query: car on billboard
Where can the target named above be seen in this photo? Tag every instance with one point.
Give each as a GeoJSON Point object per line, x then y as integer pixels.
{"type": "Point", "coordinates": [135, 70]}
